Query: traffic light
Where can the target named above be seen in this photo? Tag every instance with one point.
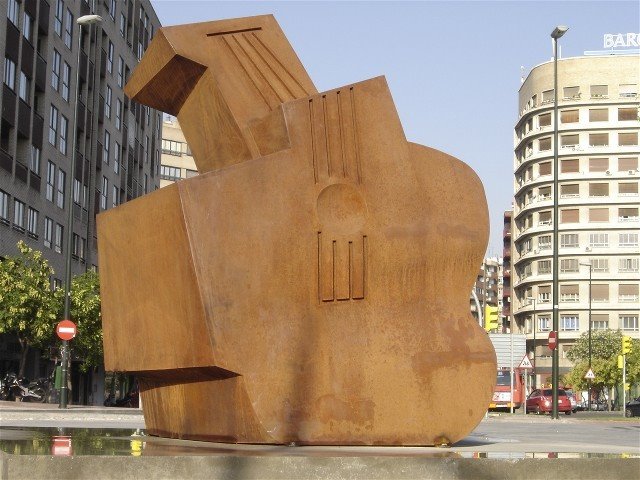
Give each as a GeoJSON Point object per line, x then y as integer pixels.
{"type": "Point", "coordinates": [627, 386]}
{"type": "Point", "coordinates": [620, 361]}
{"type": "Point", "coordinates": [626, 345]}
{"type": "Point", "coordinates": [490, 318]}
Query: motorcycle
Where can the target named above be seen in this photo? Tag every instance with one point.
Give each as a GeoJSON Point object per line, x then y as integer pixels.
{"type": "Point", "coordinates": [18, 389]}
{"type": "Point", "coordinates": [130, 400]}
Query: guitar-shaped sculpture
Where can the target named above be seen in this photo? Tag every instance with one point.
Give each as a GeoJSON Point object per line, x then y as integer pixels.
{"type": "Point", "coordinates": [311, 284]}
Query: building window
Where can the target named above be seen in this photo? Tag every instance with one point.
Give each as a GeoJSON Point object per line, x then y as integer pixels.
{"type": "Point", "coordinates": [570, 140]}
{"type": "Point", "coordinates": [169, 173]}
{"type": "Point", "coordinates": [61, 188]}
{"type": "Point", "coordinates": [547, 96]}
{"type": "Point", "coordinates": [27, 27]}
{"type": "Point", "coordinates": [4, 207]}
{"type": "Point", "coordinates": [598, 139]}
{"type": "Point", "coordinates": [571, 93]}
{"type": "Point", "coordinates": [544, 168]}
{"type": "Point", "coordinates": [24, 89]}
{"type": "Point", "coordinates": [64, 124]}
{"type": "Point", "coordinates": [598, 114]}
{"type": "Point", "coordinates": [570, 215]}
{"type": "Point", "coordinates": [13, 8]}
{"type": "Point", "coordinates": [628, 90]}
{"type": "Point", "coordinates": [569, 323]}
{"type": "Point", "coordinates": [18, 215]}
{"type": "Point", "coordinates": [628, 189]}
{"type": "Point", "coordinates": [627, 138]}
{"type": "Point", "coordinates": [569, 116]}
{"type": "Point", "coordinates": [628, 164]}
{"type": "Point", "coordinates": [629, 322]}
{"type": "Point", "coordinates": [116, 158]}
{"type": "Point", "coordinates": [628, 215]}
{"type": "Point", "coordinates": [77, 187]}
{"type": "Point", "coordinates": [107, 102]}
{"type": "Point", "coordinates": [600, 293]}
{"type": "Point", "coordinates": [68, 29]}
{"type": "Point", "coordinates": [172, 148]}
{"type": "Point", "coordinates": [34, 160]}
{"type": "Point", "coordinates": [55, 70]}
{"type": "Point", "coordinates": [569, 240]}
{"type": "Point", "coordinates": [123, 26]}
{"type": "Point", "coordinates": [9, 73]}
{"type": "Point", "coordinates": [48, 232]}
{"type": "Point", "coordinates": [58, 238]}
{"type": "Point", "coordinates": [599, 91]}
{"type": "Point", "coordinates": [191, 173]}
{"type": "Point", "coordinates": [544, 120]}
{"type": "Point", "coordinates": [104, 193]}
{"type": "Point", "coordinates": [53, 125]}
{"type": "Point", "coordinates": [600, 265]}
{"type": "Point", "coordinates": [598, 215]}
{"type": "Point", "coordinates": [51, 178]}
{"type": "Point", "coordinates": [544, 144]}
{"type": "Point", "coordinates": [106, 147]}
{"type": "Point", "coordinates": [118, 114]}
{"type": "Point", "coordinates": [544, 241]}
{"type": "Point", "coordinates": [627, 239]}
{"type": "Point", "coordinates": [115, 194]}
{"type": "Point", "coordinates": [599, 321]}
{"type": "Point", "coordinates": [112, 9]}
{"type": "Point", "coordinates": [598, 189]}
{"type": "Point", "coordinates": [569, 165]}
{"type": "Point", "coordinates": [66, 80]}
{"type": "Point", "coordinates": [628, 265]}
{"type": "Point", "coordinates": [110, 58]}
{"type": "Point", "coordinates": [628, 292]}
{"type": "Point", "coordinates": [598, 164]}
{"type": "Point", "coordinates": [544, 218]}
{"type": "Point", "coordinates": [598, 240]}
{"type": "Point", "coordinates": [569, 265]}
{"type": "Point", "coordinates": [627, 114]}
{"type": "Point", "coordinates": [544, 324]}
{"type": "Point", "coordinates": [544, 266]}
{"type": "Point", "coordinates": [120, 72]}
{"type": "Point", "coordinates": [57, 21]}
{"type": "Point", "coordinates": [32, 223]}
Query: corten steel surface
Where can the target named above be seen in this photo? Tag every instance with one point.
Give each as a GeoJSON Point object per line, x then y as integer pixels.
{"type": "Point", "coordinates": [312, 284]}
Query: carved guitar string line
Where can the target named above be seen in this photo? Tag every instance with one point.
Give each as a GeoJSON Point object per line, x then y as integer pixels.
{"type": "Point", "coordinates": [332, 272]}
{"type": "Point", "coordinates": [348, 150]}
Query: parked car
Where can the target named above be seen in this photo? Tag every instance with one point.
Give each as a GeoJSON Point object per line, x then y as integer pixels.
{"type": "Point", "coordinates": [632, 408]}
{"type": "Point", "coordinates": [541, 401]}
{"type": "Point", "coordinates": [572, 399]}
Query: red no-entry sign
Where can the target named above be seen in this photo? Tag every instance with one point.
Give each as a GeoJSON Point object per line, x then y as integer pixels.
{"type": "Point", "coordinates": [66, 330]}
{"type": "Point", "coordinates": [553, 340]}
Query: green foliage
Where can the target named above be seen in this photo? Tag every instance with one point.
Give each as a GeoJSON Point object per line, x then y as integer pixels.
{"type": "Point", "coordinates": [606, 345]}
{"type": "Point", "coordinates": [28, 306]}
{"type": "Point", "coordinates": [85, 313]}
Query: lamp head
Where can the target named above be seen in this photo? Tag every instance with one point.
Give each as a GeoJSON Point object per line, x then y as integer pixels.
{"type": "Point", "coordinates": [559, 31]}
{"type": "Point", "coordinates": [89, 19]}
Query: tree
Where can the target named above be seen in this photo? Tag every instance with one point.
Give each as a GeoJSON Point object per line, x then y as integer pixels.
{"type": "Point", "coordinates": [85, 312]}
{"type": "Point", "coordinates": [28, 305]}
{"type": "Point", "coordinates": [606, 345]}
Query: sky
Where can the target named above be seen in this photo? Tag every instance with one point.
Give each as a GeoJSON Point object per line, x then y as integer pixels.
{"type": "Point", "coordinates": [454, 67]}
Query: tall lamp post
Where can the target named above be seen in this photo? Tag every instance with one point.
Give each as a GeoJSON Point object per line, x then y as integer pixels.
{"type": "Point", "coordinates": [590, 297]}
{"type": "Point", "coordinates": [558, 32]}
{"type": "Point", "coordinates": [64, 390]}
{"type": "Point", "coordinates": [535, 327]}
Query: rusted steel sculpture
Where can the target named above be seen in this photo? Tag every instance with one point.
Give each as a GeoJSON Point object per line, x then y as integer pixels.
{"type": "Point", "coordinates": [311, 285]}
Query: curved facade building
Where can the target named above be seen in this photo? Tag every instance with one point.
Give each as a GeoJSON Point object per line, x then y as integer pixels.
{"type": "Point", "coordinates": [599, 222]}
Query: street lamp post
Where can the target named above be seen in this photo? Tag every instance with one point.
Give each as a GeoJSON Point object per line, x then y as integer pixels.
{"type": "Point", "coordinates": [590, 265]}
{"type": "Point", "coordinates": [64, 390]}
{"type": "Point", "coordinates": [535, 327]}
{"type": "Point", "coordinates": [555, 35]}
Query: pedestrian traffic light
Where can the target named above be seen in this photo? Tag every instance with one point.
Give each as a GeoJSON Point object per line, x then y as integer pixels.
{"type": "Point", "coordinates": [490, 318]}
{"type": "Point", "coordinates": [626, 345]}
{"type": "Point", "coordinates": [620, 361]}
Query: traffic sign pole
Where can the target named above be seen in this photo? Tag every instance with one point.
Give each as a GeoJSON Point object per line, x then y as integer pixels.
{"type": "Point", "coordinates": [66, 330]}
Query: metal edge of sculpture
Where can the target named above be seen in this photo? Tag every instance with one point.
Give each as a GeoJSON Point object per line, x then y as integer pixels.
{"type": "Point", "coordinates": [311, 284]}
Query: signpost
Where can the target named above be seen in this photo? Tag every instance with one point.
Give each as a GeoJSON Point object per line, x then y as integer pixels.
{"type": "Point", "coordinates": [589, 375]}
{"type": "Point", "coordinates": [525, 364]}
{"type": "Point", "coordinates": [66, 330]}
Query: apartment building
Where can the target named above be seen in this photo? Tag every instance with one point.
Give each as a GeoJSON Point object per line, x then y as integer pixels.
{"type": "Point", "coordinates": [118, 141]}
{"type": "Point", "coordinates": [177, 161]}
{"type": "Point", "coordinates": [488, 286]}
{"type": "Point", "coordinates": [599, 222]}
